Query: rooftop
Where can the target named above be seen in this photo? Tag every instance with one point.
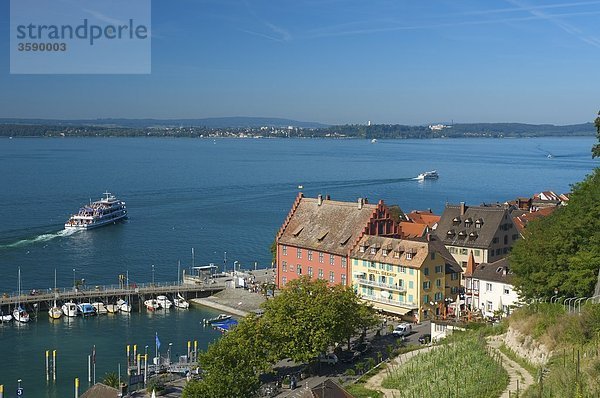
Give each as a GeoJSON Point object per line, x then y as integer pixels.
{"type": "Point", "coordinates": [326, 225]}
{"type": "Point", "coordinates": [498, 271]}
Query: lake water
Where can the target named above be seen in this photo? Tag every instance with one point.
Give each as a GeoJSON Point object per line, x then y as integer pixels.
{"type": "Point", "coordinates": [218, 196]}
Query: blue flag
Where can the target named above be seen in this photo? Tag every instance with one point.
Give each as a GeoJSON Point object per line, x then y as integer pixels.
{"type": "Point", "coordinates": [157, 341]}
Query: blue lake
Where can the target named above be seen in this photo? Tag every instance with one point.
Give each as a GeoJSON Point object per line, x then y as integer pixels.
{"type": "Point", "coordinates": [216, 196]}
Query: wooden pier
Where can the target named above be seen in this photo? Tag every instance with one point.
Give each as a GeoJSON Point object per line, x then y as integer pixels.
{"type": "Point", "coordinates": [110, 293]}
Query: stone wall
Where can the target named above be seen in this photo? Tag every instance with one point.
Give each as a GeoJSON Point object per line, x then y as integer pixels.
{"type": "Point", "coordinates": [526, 347]}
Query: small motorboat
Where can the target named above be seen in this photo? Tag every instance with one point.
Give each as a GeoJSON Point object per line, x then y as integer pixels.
{"type": "Point", "coordinates": [100, 308]}
{"type": "Point", "coordinates": [86, 309]}
{"type": "Point", "coordinates": [70, 309]}
{"type": "Point", "coordinates": [220, 318]}
{"type": "Point", "coordinates": [180, 302]}
{"type": "Point", "coordinates": [20, 315]}
{"type": "Point", "coordinates": [55, 312]}
{"type": "Point", "coordinates": [6, 318]}
{"type": "Point", "coordinates": [428, 175]}
{"type": "Point", "coordinates": [112, 308]}
{"type": "Point", "coordinates": [124, 305]}
{"type": "Point", "coordinates": [152, 305]}
{"type": "Point", "coordinates": [164, 302]}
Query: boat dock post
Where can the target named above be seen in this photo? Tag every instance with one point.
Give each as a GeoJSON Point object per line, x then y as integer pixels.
{"type": "Point", "coordinates": [145, 368]}
{"type": "Point", "coordinates": [77, 387]}
{"type": "Point", "coordinates": [1, 390]}
{"type": "Point", "coordinates": [139, 363]}
{"type": "Point", "coordinates": [189, 350]}
{"type": "Point", "coordinates": [47, 365]}
{"type": "Point", "coordinates": [195, 350]}
{"type": "Point", "coordinates": [128, 358]}
{"type": "Point", "coordinates": [54, 365]}
{"type": "Point", "coordinates": [89, 369]}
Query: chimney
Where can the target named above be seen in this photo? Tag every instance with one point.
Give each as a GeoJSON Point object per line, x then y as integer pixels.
{"type": "Point", "coordinates": [462, 208]}
{"type": "Point", "coordinates": [361, 201]}
{"type": "Point", "coordinates": [319, 200]}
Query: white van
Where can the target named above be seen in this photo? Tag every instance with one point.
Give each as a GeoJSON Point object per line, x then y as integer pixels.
{"type": "Point", "coordinates": [402, 330]}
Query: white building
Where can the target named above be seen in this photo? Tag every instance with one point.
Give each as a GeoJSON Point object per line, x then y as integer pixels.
{"type": "Point", "coordinates": [490, 289]}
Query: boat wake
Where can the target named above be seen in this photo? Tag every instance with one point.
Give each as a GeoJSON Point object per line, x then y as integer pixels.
{"type": "Point", "coordinates": [40, 238]}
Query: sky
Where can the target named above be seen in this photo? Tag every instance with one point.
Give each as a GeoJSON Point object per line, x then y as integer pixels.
{"type": "Point", "coordinates": [340, 61]}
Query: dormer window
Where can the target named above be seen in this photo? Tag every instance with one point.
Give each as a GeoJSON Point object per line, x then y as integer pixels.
{"type": "Point", "coordinates": [473, 235]}
{"type": "Point", "coordinates": [451, 233]}
{"type": "Point", "coordinates": [462, 234]}
{"type": "Point", "coordinates": [478, 223]}
{"type": "Point", "coordinates": [409, 255]}
{"type": "Point", "coordinates": [384, 252]}
{"type": "Point", "coordinates": [373, 250]}
{"type": "Point", "coordinates": [396, 254]}
{"type": "Point", "coordinates": [456, 221]}
{"type": "Point", "coordinates": [362, 248]}
{"type": "Point", "coordinates": [468, 222]}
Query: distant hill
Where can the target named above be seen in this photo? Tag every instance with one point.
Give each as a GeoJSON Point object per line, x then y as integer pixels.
{"type": "Point", "coordinates": [213, 122]}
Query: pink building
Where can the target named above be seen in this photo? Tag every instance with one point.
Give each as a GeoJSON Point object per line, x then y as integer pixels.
{"type": "Point", "coordinates": [318, 235]}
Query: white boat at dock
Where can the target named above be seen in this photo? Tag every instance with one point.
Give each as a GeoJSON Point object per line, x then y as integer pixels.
{"type": "Point", "coordinates": [6, 318]}
{"type": "Point", "coordinates": [152, 305]}
{"type": "Point", "coordinates": [55, 312]}
{"type": "Point", "coordinates": [19, 314]}
{"type": "Point", "coordinates": [112, 308]}
{"type": "Point", "coordinates": [70, 309]}
{"type": "Point", "coordinates": [107, 210]}
{"type": "Point", "coordinates": [219, 318]}
{"type": "Point", "coordinates": [124, 305]}
{"type": "Point", "coordinates": [100, 308]}
{"type": "Point", "coordinates": [180, 302]}
{"type": "Point", "coordinates": [164, 302]}
{"type": "Point", "coordinates": [428, 175]}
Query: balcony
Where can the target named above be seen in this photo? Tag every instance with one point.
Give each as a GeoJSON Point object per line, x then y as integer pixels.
{"type": "Point", "coordinates": [366, 282]}
{"type": "Point", "coordinates": [395, 303]}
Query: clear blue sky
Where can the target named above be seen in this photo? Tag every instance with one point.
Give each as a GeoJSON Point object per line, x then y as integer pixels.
{"type": "Point", "coordinates": [341, 61]}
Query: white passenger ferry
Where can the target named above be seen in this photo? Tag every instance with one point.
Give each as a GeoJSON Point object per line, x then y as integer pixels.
{"type": "Point", "coordinates": [107, 210]}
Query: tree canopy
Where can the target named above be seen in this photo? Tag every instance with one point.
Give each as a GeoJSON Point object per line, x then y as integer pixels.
{"type": "Point", "coordinates": [562, 251]}
{"type": "Point", "coordinates": [304, 320]}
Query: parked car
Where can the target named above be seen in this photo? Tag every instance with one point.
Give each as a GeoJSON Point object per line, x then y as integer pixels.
{"type": "Point", "coordinates": [363, 347]}
{"type": "Point", "coordinates": [329, 359]}
{"type": "Point", "coordinates": [425, 339]}
{"type": "Point", "coordinates": [402, 330]}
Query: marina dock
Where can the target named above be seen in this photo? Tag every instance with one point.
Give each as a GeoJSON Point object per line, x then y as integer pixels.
{"type": "Point", "coordinates": [111, 293]}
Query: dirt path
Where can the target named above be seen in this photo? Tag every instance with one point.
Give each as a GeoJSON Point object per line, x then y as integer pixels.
{"type": "Point", "coordinates": [515, 371]}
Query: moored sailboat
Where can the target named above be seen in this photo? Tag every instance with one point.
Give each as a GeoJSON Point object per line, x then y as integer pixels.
{"type": "Point", "coordinates": [19, 313]}
{"type": "Point", "coordinates": [55, 311]}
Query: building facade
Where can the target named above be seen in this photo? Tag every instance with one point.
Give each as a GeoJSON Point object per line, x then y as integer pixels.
{"type": "Point", "coordinates": [404, 277]}
{"type": "Point", "coordinates": [489, 289]}
{"type": "Point", "coordinates": [485, 232]}
{"type": "Point", "coordinates": [319, 233]}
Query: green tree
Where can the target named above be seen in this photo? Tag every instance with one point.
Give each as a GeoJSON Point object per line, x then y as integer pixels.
{"type": "Point", "coordinates": [596, 148]}
{"type": "Point", "coordinates": [562, 250]}
{"type": "Point", "coordinates": [308, 317]}
{"type": "Point", "coordinates": [111, 379]}
{"type": "Point", "coordinates": [232, 365]}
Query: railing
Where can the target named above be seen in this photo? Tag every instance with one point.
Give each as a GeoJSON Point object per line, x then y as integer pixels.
{"type": "Point", "coordinates": [107, 290]}
{"type": "Point", "coordinates": [395, 303]}
{"type": "Point", "coordinates": [381, 285]}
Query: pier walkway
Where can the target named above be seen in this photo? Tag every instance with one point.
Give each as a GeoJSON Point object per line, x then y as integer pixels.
{"type": "Point", "coordinates": [113, 292]}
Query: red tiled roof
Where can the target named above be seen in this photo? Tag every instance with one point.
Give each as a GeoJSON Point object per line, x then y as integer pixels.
{"type": "Point", "coordinates": [412, 229]}
{"type": "Point", "coordinates": [522, 221]}
{"type": "Point", "coordinates": [424, 217]}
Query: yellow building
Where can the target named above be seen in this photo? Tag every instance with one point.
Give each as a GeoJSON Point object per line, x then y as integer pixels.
{"type": "Point", "coordinates": [405, 277]}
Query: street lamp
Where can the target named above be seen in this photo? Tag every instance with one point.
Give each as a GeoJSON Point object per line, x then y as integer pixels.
{"type": "Point", "coordinates": [73, 278]}
{"type": "Point", "coordinates": [169, 352]}
{"type": "Point", "coordinates": [146, 351]}
{"type": "Point", "coordinates": [152, 274]}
